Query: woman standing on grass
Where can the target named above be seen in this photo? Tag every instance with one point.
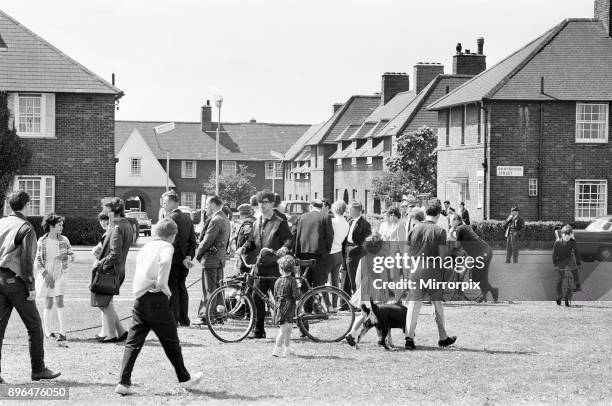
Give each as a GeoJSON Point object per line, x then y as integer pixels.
{"type": "Point", "coordinates": [96, 251]}
{"type": "Point", "coordinates": [52, 256]}
{"type": "Point", "coordinates": [112, 259]}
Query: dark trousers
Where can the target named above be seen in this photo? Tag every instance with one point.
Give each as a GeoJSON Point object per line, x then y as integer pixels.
{"type": "Point", "coordinates": [333, 272]}
{"type": "Point", "coordinates": [210, 282]}
{"type": "Point", "coordinates": [180, 298]}
{"type": "Point", "coordinates": [560, 275]}
{"type": "Point", "coordinates": [14, 294]}
{"type": "Point", "coordinates": [265, 285]}
{"type": "Point", "coordinates": [152, 312]}
{"type": "Point", "coordinates": [317, 275]}
{"type": "Point", "coordinates": [349, 274]}
{"type": "Point", "coordinates": [482, 274]}
{"type": "Point", "coordinates": [512, 246]}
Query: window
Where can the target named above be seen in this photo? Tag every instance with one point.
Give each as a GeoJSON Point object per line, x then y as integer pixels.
{"type": "Point", "coordinates": [462, 193]}
{"type": "Point", "coordinates": [297, 175]}
{"type": "Point", "coordinates": [188, 199]}
{"type": "Point", "coordinates": [448, 117]}
{"type": "Point", "coordinates": [188, 169]}
{"type": "Point", "coordinates": [336, 194]}
{"type": "Point", "coordinates": [289, 196]}
{"type": "Point", "coordinates": [316, 156]}
{"type": "Point", "coordinates": [480, 185]}
{"type": "Point", "coordinates": [354, 161]}
{"type": "Point", "coordinates": [42, 193]}
{"type": "Point", "coordinates": [592, 122]}
{"type": "Point", "coordinates": [354, 194]}
{"type": "Point", "coordinates": [338, 162]}
{"type": "Point", "coordinates": [34, 114]}
{"type": "Point", "coordinates": [369, 161]}
{"type": "Point", "coordinates": [135, 167]}
{"type": "Point", "coordinates": [479, 123]}
{"type": "Point", "coordinates": [533, 186]}
{"type": "Point", "coordinates": [447, 190]}
{"type": "Point", "coordinates": [316, 195]}
{"type": "Point", "coordinates": [228, 167]}
{"type": "Point", "coordinates": [463, 117]}
{"type": "Point", "coordinates": [591, 199]}
{"type": "Point", "coordinates": [270, 169]}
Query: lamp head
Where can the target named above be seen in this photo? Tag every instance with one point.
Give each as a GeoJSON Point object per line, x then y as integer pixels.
{"type": "Point", "coordinates": [218, 100]}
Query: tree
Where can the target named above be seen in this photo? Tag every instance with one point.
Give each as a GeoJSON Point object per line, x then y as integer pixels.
{"type": "Point", "coordinates": [232, 188]}
{"type": "Point", "coordinates": [390, 186]}
{"type": "Point", "coordinates": [15, 154]}
{"type": "Point", "coordinates": [416, 157]}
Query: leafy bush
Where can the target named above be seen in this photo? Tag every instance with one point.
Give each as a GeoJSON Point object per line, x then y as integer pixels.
{"type": "Point", "coordinates": [79, 230]}
{"type": "Point", "coordinates": [535, 235]}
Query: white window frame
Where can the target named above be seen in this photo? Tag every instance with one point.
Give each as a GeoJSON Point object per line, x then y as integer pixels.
{"type": "Point", "coordinates": [462, 191]}
{"type": "Point", "coordinates": [480, 192]}
{"type": "Point", "coordinates": [369, 161]}
{"type": "Point", "coordinates": [581, 121]}
{"type": "Point", "coordinates": [533, 187]}
{"type": "Point", "coordinates": [339, 162]}
{"type": "Point", "coordinates": [271, 166]}
{"type": "Point", "coordinates": [603, 203]}
{"type": "Point", "coordinates": [45, 207]}
{"type": "Point", "coordinates": [353, 161]}
{"type": "Point", "coordinates": [132, 160]}
{"type": "Point", "coordinates": [185, 173]}
{"type": "Point", "coordinates": [186, 197]}
{"type": "Point", "coordinates": [42, 133]}
{"type": "Point", "coordinates": [229, 168]}
{"type": "Point", "coordinates": [448, 187]}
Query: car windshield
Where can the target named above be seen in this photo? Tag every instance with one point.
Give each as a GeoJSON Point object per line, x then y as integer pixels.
{"type": "Point", "coordinates": [297, 208]}
{"type": "Point", "coordinates": [142, 216]}
{"type": "Point", "coordinates": [600, 225]}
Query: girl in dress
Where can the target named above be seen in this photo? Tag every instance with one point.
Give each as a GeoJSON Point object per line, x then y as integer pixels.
{"type": "Point", "coordinates": [286, 293]}
{"type": "Point", "coordinates": [52, 256]}
{"type": "Point", "coordinates": [96, 251]}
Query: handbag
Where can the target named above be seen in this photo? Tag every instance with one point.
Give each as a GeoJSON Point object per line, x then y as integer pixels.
{"type": "Point", "coordinates": [104, 283]}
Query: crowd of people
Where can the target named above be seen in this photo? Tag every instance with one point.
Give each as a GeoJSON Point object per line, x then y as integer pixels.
{"type": "Point", "coordinates": [335, 236]}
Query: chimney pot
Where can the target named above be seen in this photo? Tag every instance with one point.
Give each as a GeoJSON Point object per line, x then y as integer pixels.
{"type": "Point", "coordinates": [336, 107]}
{"type": "Point", "coordinates": [392, 84]}
{"type": "Point", "coordinates": [252, 120]}
{"type": "Point", "coordinates": [468, 63]}
{"type": "Point", "coordinates": [480, 43]}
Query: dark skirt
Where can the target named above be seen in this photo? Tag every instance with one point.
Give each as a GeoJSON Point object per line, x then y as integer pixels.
{"type": "Point", "coordinates": [284, 311]}
{"type": "Point", "coordinates": [98, 300]}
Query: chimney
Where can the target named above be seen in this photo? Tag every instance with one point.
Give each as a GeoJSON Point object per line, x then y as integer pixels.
{"type": "Point", "coordinates": [468, 63]}
{"type": "Point", "coordinates": [392, 84]}
{"type": "Point", "coordinates": [603, 13]}
{"type": "Point", "coordinates": [252, 121]}
{"type": "Point", "coordinates": [206, 117]}
{"type": "Point", "coordinates": [336, 107]}
{"type": "Point", "coordinates": [424, 73]}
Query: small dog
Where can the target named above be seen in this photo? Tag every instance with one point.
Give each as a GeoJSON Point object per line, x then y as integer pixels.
{"type": "Point", "coordinates": [384, 317]}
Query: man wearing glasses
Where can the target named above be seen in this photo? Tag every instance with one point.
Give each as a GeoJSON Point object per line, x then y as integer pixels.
{"type": "Point", "coordinates": [269, 231]}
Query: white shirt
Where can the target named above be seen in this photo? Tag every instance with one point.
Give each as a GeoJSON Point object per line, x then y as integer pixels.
{"type": "Point", "coordinates": [353, 225]}
{"type": "Point", "coordinates": [443, 223]}
{"type": "Point", "coordinates": [341, 229]}
{"type": "Point", "coordinates": [153, 268]}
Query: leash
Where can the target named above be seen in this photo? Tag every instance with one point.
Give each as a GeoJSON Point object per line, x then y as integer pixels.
{"type": "Point", "coordinates": [123, 319]}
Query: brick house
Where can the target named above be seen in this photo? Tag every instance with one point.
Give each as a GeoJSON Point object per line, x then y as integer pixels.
{"type": "Point", "coordinates": [192, 157]}
{"type": "Point", "coordinates": [533, 130]}
{"type": "Point", "coordinates": [66, 113]}
{"type": "Point", "coordinates": [297, 166]}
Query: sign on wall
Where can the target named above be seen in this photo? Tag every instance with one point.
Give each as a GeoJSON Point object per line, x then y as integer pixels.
{"type": "Point", "coordinates": [509, 171]}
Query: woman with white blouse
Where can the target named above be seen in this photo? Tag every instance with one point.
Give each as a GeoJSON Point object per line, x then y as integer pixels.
{"type": "Point", "coordinates": [341, 229]}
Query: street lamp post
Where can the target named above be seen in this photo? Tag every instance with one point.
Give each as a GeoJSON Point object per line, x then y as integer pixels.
{"type": "Point", "coordinates": [218, 102]}
{"type": "Point", "coordinates": [281, 158]}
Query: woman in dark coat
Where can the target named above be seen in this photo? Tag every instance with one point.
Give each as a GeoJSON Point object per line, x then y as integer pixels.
{"type": "Point", "coordinates": [112, 258]}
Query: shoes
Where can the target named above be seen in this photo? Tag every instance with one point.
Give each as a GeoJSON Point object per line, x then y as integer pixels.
{"type": "Point", "coordinates": [287, 351]}
{"type": "Point", "coordinates": [195, 379]}
{"type": "Point", "coordinates": [183, 325]}
{"type": "Point", "coordinates": [350, 340]}
{"type": "Point", "coordinates": [344, 308]}
{"type": "Point", "coordinates": [410, 344]}
{"type": "Point", "coordinates": [567, 304]}
{"type": "Point", "coordinates": [333, 310]}
{"type": "Point", "coordinates": [99, 338]}
{"type": "Point", "coordinates": [578, 288]}
{"type": "Point", "coordinates": [45, 374]}
{"type": "Point", "coordinates": [51, 336]}
{"type": "Point", "coordinates": [277, 352]}
{"type": "Point", "coordinates": [507, 261]}
{"type": "Point", "coordinates": [481, 299]}
{"type": "Point", "coordinates": [61, 337]}
{"type": "Point", "coordinates": [318, 309]}
{"type": "Point", "coordinates": [2, 380]}
{"type": "Point", "coordinates": [123, 337]}
{"type": "Point", "coordinates": [109, 340]}
{"type": "Point", "coordinates": [256, 336]}
{"type": "Point", "coordinates": [199, 323]}
{"type": "Point", "coordinates": [447, 341]}
{"type": "Point", "coordinates": [495, 294]}
{"type": "Point", "coordinates": [124, 390]}
{"type": "Point", "coordinates": [558, 300]}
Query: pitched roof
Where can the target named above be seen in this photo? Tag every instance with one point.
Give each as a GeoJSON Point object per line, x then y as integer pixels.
{"type": "Point", "coordinates": [354, 111]}
{"type": "Point", "coordinates": [365, 128]}
{"type": "Point", "coordinates": [297, 146]}
{"type": "Point", "coordinates": [29, 63]}
{"type": "Point", "coordinates": [347, 133]}
{"type": "Point", "coordinates": [574, 58]}
{"type": "Point", "coordinates": [238, 141]}
{"type": "Point", "coordinates": [393, 106]}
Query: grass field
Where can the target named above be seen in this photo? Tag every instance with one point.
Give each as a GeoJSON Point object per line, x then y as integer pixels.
{"type": "Point", "coordinates": [524, 353]}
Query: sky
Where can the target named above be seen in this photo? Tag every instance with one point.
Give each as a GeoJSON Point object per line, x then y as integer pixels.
{"type": "Point", "coordinates": [276, 61]}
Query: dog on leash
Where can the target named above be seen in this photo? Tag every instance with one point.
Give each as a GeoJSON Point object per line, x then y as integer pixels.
{"type": "Point", "coordinates": [383, 317]}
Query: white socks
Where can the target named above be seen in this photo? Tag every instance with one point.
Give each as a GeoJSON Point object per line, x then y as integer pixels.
{"type": "Point", "coordinates": [47, 318]}
{"type": "Point", "coordinates": [61, 317]}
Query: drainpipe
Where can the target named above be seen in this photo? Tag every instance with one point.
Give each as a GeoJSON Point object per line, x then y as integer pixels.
{"type": "Point", "coordinates": [540, 161]}
{"type": "Point", "coordinates": [485, 163]}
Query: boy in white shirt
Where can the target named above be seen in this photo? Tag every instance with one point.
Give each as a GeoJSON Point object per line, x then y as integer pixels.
{"type": "Point", "coordinates": [152, 308]}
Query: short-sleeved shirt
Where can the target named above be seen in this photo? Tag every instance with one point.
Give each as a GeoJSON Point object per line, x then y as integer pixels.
{"type": "Point", "coordinates": [470, 241]}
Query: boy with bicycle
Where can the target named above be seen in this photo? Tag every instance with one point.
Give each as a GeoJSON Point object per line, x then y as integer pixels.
{"type": "Point", "coordinates": [566, 258]}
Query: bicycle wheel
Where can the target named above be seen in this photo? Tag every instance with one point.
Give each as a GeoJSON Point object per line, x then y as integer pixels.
{"type": "Point", "coordinates": [230, 314]}
{"type": "Point", "coordinates": [568, 285]}
{"type": "Point", "coordinates": [452, 277]}
{"type": "Point", "coordinates": [470, 293]}
{"type": "Point", "coordinates": [318, 318]}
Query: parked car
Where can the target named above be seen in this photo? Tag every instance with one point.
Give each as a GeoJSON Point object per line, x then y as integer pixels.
{"type": "Point", "coordinates": [595, 242]}
{"type": "Point", "coordinates": [144, 223]}
{"type": "Point", "coordinates": [293, 209]}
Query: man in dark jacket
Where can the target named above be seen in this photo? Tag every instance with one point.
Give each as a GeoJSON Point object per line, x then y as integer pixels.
{"type": "Point", "coordinates": [465, 215]}
{"type": "Point", "coordinates": [269, 231]}
{"type": "Point", "coordinates": [513, 226]}
{"type": "Point", "coordinates": [211, 252]}
{"type": "Point", "coordinates": [359, 230]}
{"type": "Point", "coordinates": [184, 250]}
{"type": "Point", "coordinates": [313, 240]}
{"type": "Point", "coordinates": [17, 253]}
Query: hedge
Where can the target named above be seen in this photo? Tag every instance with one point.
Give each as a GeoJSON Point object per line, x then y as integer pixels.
{"type": "Point", "coordinates": [79, 230]}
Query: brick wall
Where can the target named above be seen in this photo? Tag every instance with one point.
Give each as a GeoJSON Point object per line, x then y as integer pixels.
{"type": "Point", "coordinates": [322, 177]}
{"type": "Point", "coordinates": [150, 196]}
{"type": "Point", "coordinates": [82, 156]}
{"type": "Point", "coordinates": [357, 178]}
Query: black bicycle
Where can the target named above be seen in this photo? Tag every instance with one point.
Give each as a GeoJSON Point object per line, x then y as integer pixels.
{"type": "Point", "coordinates": [231, 311]}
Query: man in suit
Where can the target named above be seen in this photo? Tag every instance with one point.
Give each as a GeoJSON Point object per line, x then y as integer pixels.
{"type": "Point", "coordinates": [513, 225]}
{"type": "Point", "coordinates": [465, 215]}
{"type": "Point", "coordinates": [269, 231]}
{"type": "Point", "coordinates": [211, 252]}
{"type": "Point", "coordinates": [359, 230]}
{"type": "Point", "coordinates": [184, 250]}
{"type": "Point", "coordinates": [313, 240]}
